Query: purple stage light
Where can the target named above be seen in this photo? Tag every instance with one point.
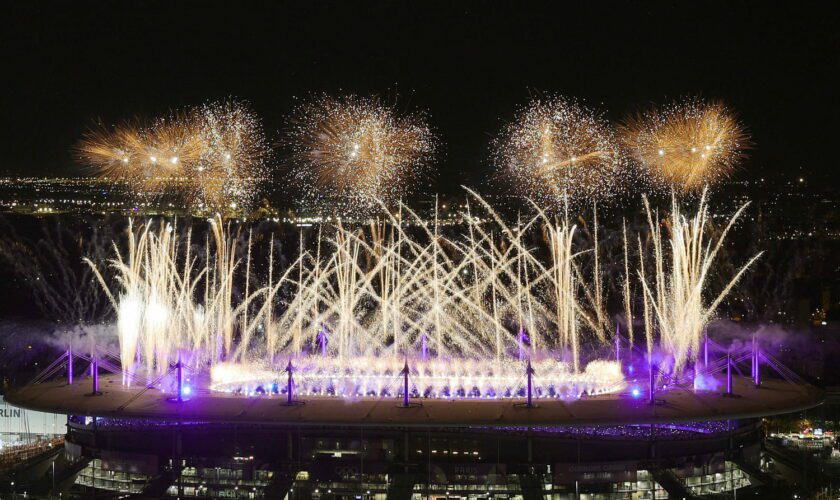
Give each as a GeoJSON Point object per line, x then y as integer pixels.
{"type": "Point", "coordinates": [522, 339]}
{"type": "Point", "coordinates": [290, 384]}
{"type": "Point", "coordinates": [179, 373]}
{"type": "Point", "coordinates": [70, 365]}
{"type": "Point", "coordinates": [651, 381]}
{"type": "Point", "coordinates": [322, 340]}
{"type": "Point", "coordinates": [94, 376]}
{"type": "Point", "coordinates": [728, 373]}
{"type": "Point", "coordinates": [404, 373]}
{"type": "Point", "coordinates": [529, 371]}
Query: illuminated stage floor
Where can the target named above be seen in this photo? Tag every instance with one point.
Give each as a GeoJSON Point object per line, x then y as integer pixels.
{"type": "Point", "coordinates": [773, 397]}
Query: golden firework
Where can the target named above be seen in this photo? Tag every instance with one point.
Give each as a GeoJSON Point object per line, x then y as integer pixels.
{"type": "Point", "coordinates": [233, 155]}
{"type": "Point", "coordinates": [687, 145]}
{"type": "Point", "coordinates": [557, 151]}
{"type": "Point", "coordinates": [210, 157]}
{"type": "Point", "coordinates": [356, 152]}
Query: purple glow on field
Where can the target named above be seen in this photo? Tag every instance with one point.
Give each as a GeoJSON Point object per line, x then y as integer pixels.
{"type": "Point", "coordinates": [543, 374]}
{"type": "Point", "coordinates": [706, 382]}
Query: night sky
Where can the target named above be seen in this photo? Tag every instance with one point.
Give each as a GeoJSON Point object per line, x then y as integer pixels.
{"type": "Point", "coordinates": [468, 64]}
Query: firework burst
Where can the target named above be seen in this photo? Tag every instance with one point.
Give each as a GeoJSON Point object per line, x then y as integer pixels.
{"type": "Point", "coordinates": [234, 152]}
{"type": "Point", "coordinates": [211, 156]}
{"type": "Point", "coordinates": [118, 153]}
{"type": "Point", "coordinates": [687, 145]}
{"type": "Point", "coordinates": [557, 150]}
{"type": "Point", "coordinates": [356, 152]}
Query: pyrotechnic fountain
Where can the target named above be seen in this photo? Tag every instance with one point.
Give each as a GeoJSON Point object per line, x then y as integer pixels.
{"type": "Point", "coordinates": [467, 312]}
{"type": "Point", "coordinates": [674, 302]}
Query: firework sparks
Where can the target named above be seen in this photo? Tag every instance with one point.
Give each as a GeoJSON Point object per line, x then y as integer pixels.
{"type": "Point", "coordinates": [358, 150]}
{"type": "Point", "coordinates": [211, 156]}
{"type": "Point", "coordinates": [686, 145]}
{"type": "Point", "coordinates": [117, 153]}
{"type": "Point", "coordinates": [349, 317]}
{"type": "Point", "coordinates": [558, 150]}
{"type": "Point", "coordinates": [233, 155]}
